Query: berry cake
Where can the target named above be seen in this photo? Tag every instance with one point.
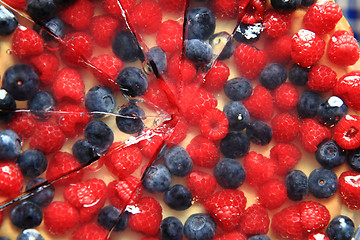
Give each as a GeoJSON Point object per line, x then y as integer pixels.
{"type": "Point", "coordinates": [187, 119]}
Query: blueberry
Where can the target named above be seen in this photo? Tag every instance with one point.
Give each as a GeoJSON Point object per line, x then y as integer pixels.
{"type": "Point", "coordinates": [157, 55]}
{"type": "Point", "coordinates": [43, 195]}
{"type": "Point", "coordinates": [10, 145]}
{"type": "Point", "coordinates": [199, 226]}
{"type": "Point", "coordinates": [286, 5]}
{"type": "Point", "coordinates": [157, 178]}
{"type": "Point", "coordinates": [178, 161]}
{"type": "Point", "coordinates": [32, 163]}
{"type": "Point", "coordinates": [259, 237]}
{"type": "Point", "coordinates": [100, 99]}
{"type": "Point", "coordinates": [224, 42]}
{"type": "Point", "coordinates": [26, 215]}
{"type": "Point", "coordinates": [178, 197]}
{"type": "Point", "coordinates": [353, 159]}
{"type": "Point", "coordinates": [41, 10]}
{"type": "Point", "coordinates": [307, 3]}
{"type": "Point", "coordinates": [5, 238]}
{"type": "Point", "coordinates": [308, 104]}
{"type": "Point", "coordinates": [272, 76]}
{"type": "Point", "coordinates": [322, 183]}
{"type": "Point", "coordinates": [229, 173]}
{"type": "Point", "coordinates": [332, 110]}
{"type": "Point", "coordinates": [8, 21]}
{"type": "Point", "coordinates": [171, 228]}
{"type": "Point", "coordinates": [30, 234]}
{"type": "Point", "coordinates": [340, 228]}
{"type": "Point", "coordinates": [126, 47]}
{"type": "Point", "coordinates": [7, 106]}
{"type": "Point", "coordinates": [64, 2]}
{"type": "Point", "coordinates": [41, 104]}
{"type": "Point", "coordinates": [109, 216]}
{"type": "Point", "coordinates": [296, 185]}
{"type": "Point", "coordinates": [198, 51]}
{"type": "Point", "coordinates": [238, 89]}
{"type": "Point", "coordinates": [248, 33]}
{"type": "Point", "coordinates": [129, 119]}
{"type": "Point", "coordinates": [21, 81]}
{"type": "Point", "coordinates": [132, 81]}
{"type": "Point", "coordinates": [237, 115]}
{"type": "Point", "coordinates": [259, 132]}
{"type": "Point", "coordinates": [84, 151]}
{"type": "Point", "coordinates": [53, 27]}
{"type": "Point", "coordinates": [298, 75]}
{"type": "Point", "coordinates": [200, 23]}
{"type": "Point", "coordinates": [329, 154]}
{"type": "Point", "coordinates": [235, 145]}
{"type": "Point", "coordinates": [99, 135]}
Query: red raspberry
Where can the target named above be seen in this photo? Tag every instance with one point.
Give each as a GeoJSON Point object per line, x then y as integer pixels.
{"type": "Point", "coordinates": [23, 124]}
{"type": "Point", "coordinates": [312, 133]}
{"type": "Point", "coordinates": [113, 7]}
{"type": "Point", "coordinates": [11, 180]}
{"type": "Point", "coordinates": [152, 142]}
{"type": "Point", "coordinates": [254, 12]}
{"type": "Point", "coordinates": [203, 152]}
{"type": "Point", "coordinates": [146, 16]}
{"type": "Point", "coordinates": [285, 127]}
{"type": "Point", "coordinates": [182, 71]}
{"type": "Point", "coordinates": [347, 132]}
{"type": "Point", "coordinates": [169, 36]}
{"type": "Point", "coordinates": [348, 88]}
{"type": "Point", "coordinates": [279, 49]}
{"type": "Point", "coordinates": [307, 48]}
{"type": "Point", "coordinates": [317, 236]}
{"type": "Point", "coordinates": [103, 29]}
{"type": "Point", "coordinates": [255, 220]}
{"type": "Point", "coordinates": [214, 124]}
{"type": "Point", "coordinates": [78, 47]}
{"type": "Point", "coordinates": [1, 217]}
{"type": "Point", "coordinates": [260, 104]}
{"type": "Point", "coordinates": [287, 223]}
{"type": "Point", "coordinates": [176, 6]}
{"type": "Point", "coordinates": [47, 137]}
{"type": "Point", "coordinates": [226, 207]}
{"type": "Point", "coordinates": [249, 60]}
{"type": "Point", "coordinates": [321, 78]}
{"type": "Point", "coordinates": [90, 231]}
{"type": "Point", "coordinates": [72, 119]}
{"type": "Point", "coordinates": [69, 86]}
{"type": "Point", "coordinates": [225, 9]}
{"type": "Point", "coordinates": [349, 188]}
{"type": "Point", "coordinates": [79, 14]}
{"type": "Point", "coordinates": [46, 65]}
{"type": "Point", "coordinates": [286, 155]}
{"type": "Point", "coordinates": [178, 132]}
{"type": "Point", "coordinates": [259, 169]}
{"type": "Point", "coordinates": [343, 48]}
{"type": "Point", "coordinates": [216, 78]}
{"type": "Point", "coordinates": [322, 17]}
{"type": "Point", "coordinates": [148, 218]}
{"type": "Point", "coordinates": [231, 235]}
{"type": "Point", "coordinates": [18, 4]}
{"type": "Point", "coordinates": [276, 23]}
{"type": "Point", "coordinates": [26, 42]}
{"type": "Point", "coordinates": [60, 217]}
{"type": "Point", "coordinates": [156, 98]}
{"type": "Point", "coordinates": [314, 216]}
{"type": "Point", "coordinates": [107, 70]}
{"type": "Point", "coordinates": [202, 185]}
{"type": "Point", "coordinates": [285, 97]}
{"type": "Point", "coordinates": [272, 194]}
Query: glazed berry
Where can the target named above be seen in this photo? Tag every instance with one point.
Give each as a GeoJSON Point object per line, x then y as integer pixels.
{"type": "Point", "coordinates": [32, 163]}
{"type": "Point", "coordinates": [26, 215]}
{"type": "Point", "coordinates": [77, 48]}
{"type": "Point", "coordinates": [238, 89]}
{"type": "Point", "coordinates": [273, 76]}
{"type": "Point", "coordinates": [353, 159]}
{"type": "Point", "coordinates": [109, 217]}
{"type": "Point", "coordinates": [346, 132]}
{"type": "Point", "coordinates": [171, 228]}
{"type": "Point", "coordinates": [157, 55]}
{"type": "Point", "coordinates": [331, 110]}
{"type": "Point", "coordinates": [284, 5]}
{"type": "Point", "coordinates": [329, 154]}
{"type": "Point", "coordinates": [178, 197]}
{"type": "Point", "coordinates": [237, 115]}
{"type": "Point", "coordinates": [200, 23]}
{"type": "Point", "coordinates": [10, 145]}
{"type": "Point", "coordinates": [100, 99]}
{"type": "Point", "coordinates": [199, 226]}
{"type": "Point", "coordinates": [229, 173]}
{"type": "Point", "coordinates": [322, 183]}
{"type": "Point", "coordinates": [99, 135]}
{"type": "Point", "coordinates": [259, 237]}
{"type": "Point", "coordinates": [198, 51]}
{"type": "Point", "coordinates": [247, 33]}
{"type": "Point", "coordinates": [259, 132]}
{"type": "Point", "coordinates": [28, 234]}
{"type": "Point", "coordinates": [7, 105]}
{"type": "Point", "coordinates": [8, 21]}
{"type": "Point", "coordinates": [296, 185]}
{"type": "Point", "coordinates": [308, 104]}
{"type": "Point", "coordinates": [178, 161]}
{"type": "Point", "coordinates": [41, 104]}
{"type": "Point", "coordinates": [84, 151]}
{"type": "Point", "coordinates": [126, 47]}
{"type": "Point", "coordinates": [132, 81]}
{"type": "Point", "coordinates": [217, 41]}
{"type": "Point", "coordinates": [347, 88]}
{"type": "Point", "coordinates": [235, 145]}
{"type": "Point", "coordinates": [170, 35]}
{"type": "Point", "coordinates": [340, 228]}
{"type": "Point", "coordinates": [129, 119]}
{"type": "Point", "coordinates": [298, 75]}
{"type": "Point", "coordinates": [43, 196]}
{"type": "Point", "coordinates": [146, 17]}
{"type": "Point", "coordinates": [41, 10]}
{"type": "Point", "coordinates": [157, 178]}
{"type": "Point", "coordinates": [343, 49]}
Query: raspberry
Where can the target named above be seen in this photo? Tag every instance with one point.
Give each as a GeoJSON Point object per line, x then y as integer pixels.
{"type": "Point", "coordinates": [103, 28]}
{"type": "Point", "coordinates": [321, 78]}
{"type": "Point", "coordinates": [72, 119]}
{"type": "Point", "coordinates": [231, 235]}
{"type": "Point", "coordinates": [276, 23]}
{"type": "Point", "coordinates": [18, 4]}
{"type": "Point", "coordinates": [156, 98]}
{"type": "Point", "coordinates": [255, 220]}
{"type": "Point", "coordinates": [46, 65]}
{"type": "Point", "coordinates": [47, 138]}
{"type": "Point", "coordinates": [78, 47]}
{"type": "Point", "coordinates": [272, 194]}
{"type": "Point", "coordinates": [254, 12]}
{"type": "Point", "coordinates": [279, 49]}
{"type": "Point", "coordinates": [69, 86]}
{"type": "Point", "coordinates": [89, 231]}
{"type": "Point", "coordinates": [178, 132]}
{"type": "Point", "coordinates": [249, 60]}
{"type": "Point", "coordinates": [110, 68]}
{"type": "Point", "coordinates": [151, 143]}
{"type": "Point", "coordinates": [216, 78]}
{"type": "Point", "coordinates": [348, 87]}
{"type": "Point", "coordinates": [285, 97]}
{"type": "Point", "coordinates": [112, 6]}
{"type": "Point", "coordinates": [343, 48]}
{"type": "Point", "coordinates": [346, 132]}
{"type": "Point", "coordinates": [260, 104]}
{"type": "Point", "coordinates": [307, 48]}
{"type": "Point", "coordinates": [202, 185]}
{"type": "Point", "coordinates": [259, 169]}
{"type": "Point", "coordinates": [148, 218]}
{"type": "Point", "coordinates": [226, 207]}
{"type": "Point", "coordinates": [349, 189]}
{"type": "Point", "coordinates": [317, 236]}
{"type": "Point", "coordinates": [203, 152]}
{"type": "Point", "coordinates": [23, 124]}
{"type": "Point", "coordinates": [225, 9]}
{"type": "Point", "coordinates": [26, 43]}
{"type": "Point", "coordinates": [169, 37]}
{"type": "Point", "coordinates": [181, 70]}
{"type": "Point", "coordinates": [79, 14]}
{"type": "Point", "coordinates": [314, 216]}
{"type": "Point", "coordinates": [147, 16]}
{"type": "Point", "coordinates": [214, 124]}
{"type": "Point", "coordinates": [11, 180]}
{"type": "Point", "coordinates": [60, 217]}
{"type": "Point", "coordinates": [287, 223]}
{"type": "Point", "coordinates": [286, 156]}
{"type": "Point", "coordinates": [322, 17]}
{"type": "Point", "coordinates": [312, 134]}
{"type": "Point", "coordinates": [285, 127]}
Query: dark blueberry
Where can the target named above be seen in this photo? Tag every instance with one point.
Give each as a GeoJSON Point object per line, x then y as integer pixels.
{"type": "Point", "coordinates": [332, 110]}
{"type": "Point", "coordinates": [329, 154]}
{"type": "Point", "coordinates": [126, 47]}
{"type": "Point", "coordinates": [235, 145]}
{"type": "Point", "coordinates": [26, 215]}
{"type": "Point", "coordinates": [99, 135]}
{"type": "Point", "coordinates": [100, 99]}
{"type": "Point", "coordinates": [298, 75]}
{"type": "Point", "coordinates": [296, 185]}
{"type": "Point", "coordinates": [308, 104]}
{"type": "Point", "coordinates": [272, 76]}
{"type": "Point", "coordinates": [129, 119]}
{"type": "Point", "coordinates": [237, 115]}
{"type": "Point", "coordinates": [64, 2]}
{"type": "Point", "coordinates": [307, 3]}
{"type": "Point", "coordinates": [132, 81]}
{"type": "Point", "coordinates": [84, 151]}
{"type": "Point", "coordinates": [340, 228]}
{"type": "Point", "coordinates": [238, 89]}
{"type": "Point", "coordinates": [259, 237]}
{"type": "Point", "coordinates": [286, 5]}
{"type": "Point", "coordinates": [199, 226]}
{"type": "Point", "coordinates": [259, 132]}
{"type": "Point", "coordinates": [8, 21]}
{"type": "Point", "coordinates": [41, 104]}
{"type": "Point", "coordinates": [171, 228]}
{"type": "Point", "coordinates": [32, 163]}
{"type": "Point", "coordinates": [178, 197]}
{"type": "Point", "coordinates": [223, 42]}
{"type": "Point", "coordinates": [43, 195]}
{"type": "Point", "coordinates": [159, 57]}
{"type": "Point", "coordinates": [5, 238]}
{"type": "Point", "coordinates": [178, 161]}
{"type": "Point", "coordinates": [229, 173]}
{"type": "Point", "coordinates": [41, 10]}
{"type": "Point", "coordinates": [109, 216]}
{"type": "Point", "coordinates": [157, 178]}
{"type": "Point", "coordinates": [354, 159]}
{"type": "Point", "coordinates": [322, 183]}
{"type": "Point", "coordinates": [21, 81]}
{"type": "Point", "coordinates": [200, 23]}
{"type": "Point", "coordinates": [247, 33]}
{"type": "Point", "coordinates": [30, 234]}
{"type": "Point", "coordinates": [198, 51]}
{"type": "Point", "coordinates": [7, 106]}
{"type": "Point", "coordinates": [53, 27]}
{"type": "Point", "coordinates": [10, 145]}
